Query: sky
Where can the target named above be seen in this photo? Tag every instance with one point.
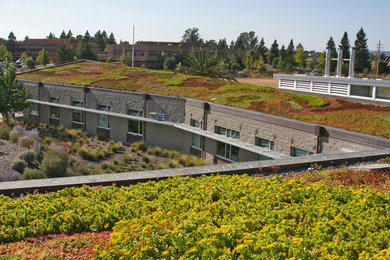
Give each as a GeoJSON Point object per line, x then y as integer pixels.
{"type": "Point", "coordinates": [310, 22]}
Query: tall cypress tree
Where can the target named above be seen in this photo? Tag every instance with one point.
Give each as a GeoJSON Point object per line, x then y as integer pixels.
{"type": "Point", "coordinates": [262, 49]}
{"type": "Point", "coordinates": [344, 44]}
{"type": "Point", "coordinates": [63, 35]}
{"type": "Point", "coordinates": [362, 55]}
{"type": "Point", "coordinates": [273, 52]}
{"type": "Point", "coordinates": [333, 53]}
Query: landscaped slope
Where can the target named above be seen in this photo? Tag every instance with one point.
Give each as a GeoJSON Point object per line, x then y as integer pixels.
{"type": "Point", "coordinates": [209, 217]}
{"type": "Point", "coordinates": [350, 116]}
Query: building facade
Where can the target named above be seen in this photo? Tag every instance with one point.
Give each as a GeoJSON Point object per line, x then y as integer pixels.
{"type": "Point", "coordinates": [218, 133]}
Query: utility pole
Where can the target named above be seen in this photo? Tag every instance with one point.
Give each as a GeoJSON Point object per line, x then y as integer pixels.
{"type": "Point", "coordinates": [379, 45]}
{"type": "Point", "coordinates": [132, 51]}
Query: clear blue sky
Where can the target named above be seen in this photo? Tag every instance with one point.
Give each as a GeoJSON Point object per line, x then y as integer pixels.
{"type": "Point", "coordinates": [310, 22]}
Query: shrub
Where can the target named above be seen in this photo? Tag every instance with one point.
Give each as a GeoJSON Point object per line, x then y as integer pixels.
{"type": "Point", "coordinates": [54, 163]}
{"type": "Point", "coordinates": [32, 174]}
{"type": "Point", "coordinates": [145, 159]}
{"type": "Point", "coordinates": [19, 166]}
{"type": "Point", "coordinates": [26, 141]}
{"type": "Point", "coordinates": [14, 136]}
{"type": "Point", "coordinates": [4, 133]}
{"type": "Point", "coordinates": [10, 176]}
{"type": "Point", "coordinates": [28, 156]}
{"type": "Point", "coordinates": [139, 146]}
{"type": "Point", "coordinates": [157, 151]}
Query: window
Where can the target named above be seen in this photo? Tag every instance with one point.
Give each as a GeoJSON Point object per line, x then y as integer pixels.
{"type": "Point", "coordinates": [135, 126]}
{"type": "Point", "coordinates": [264, 143]}
{"type": "Point", "coordinates": [196, 141]}
{"type": "Point", "coordinates": [227, 132]}
{"type": "Point", "coordinates": [103, 120]}
{"type": "Point", "coordinates": [361, 91]}
{"type": "Point", "coordinates": [77, 114]}
{"type": "Point", "coordinates": [228, 151]}
{"type": "Point", "coordinates": [196, 123]}
{"type": "Point", "coordinates": [34, 106]}
{"type": "Point", "coordinates": [299, 152]}
{"type": "Point", "coordinates": [54, 111]}
{"type": "Point", "coordinates": [261, 157]}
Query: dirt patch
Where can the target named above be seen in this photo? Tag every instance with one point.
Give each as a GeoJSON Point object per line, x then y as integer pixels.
{"type": "Point", "coordinates": [268, 82]}
{"type": "Point", "coordinates": [8, 153]}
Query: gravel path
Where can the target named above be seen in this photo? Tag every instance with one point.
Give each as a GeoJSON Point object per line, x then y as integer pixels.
{"type": "Point", "coordinates": [8, 153]}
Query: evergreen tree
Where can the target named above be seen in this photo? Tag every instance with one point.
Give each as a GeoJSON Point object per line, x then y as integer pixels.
{"type": "Point", "coordinates": [87, 37]}
{"type": "Point", "coordinates": [290, 56]}
{"type": "Point", "coordinates": [51, 36]}
{"type": "Point", "coordinates": [111, 39]}
{"type": "Point", "coordinates": [99, 40]}
{"type": "Point", "coordinates": [345, 46]}
{"type": "Point", "coordinates": [262, 49]}
{"type": "Point", "coordinates": [63, 35]}
{"type": "Point", "coordinates": [191, 35]}
{"type": "Point", "coordinates": [273, 52]}
{"type": "Point", "coordinates": [11, 37]}
{"type": "Point", "coordinates": [30, 63]}
{"type": "Point", "coordinates": [69, 35]}
{"type": "Point", "coordinates": [43, 57]}
{"type": "Point", "coordinates": [362, 55]}
{"type": "Point", "coordinates": [333, 53]}
{"type": "Point", "coordinates": [65, 53]}
{"type": "Point", "coordinates": [85, 52]}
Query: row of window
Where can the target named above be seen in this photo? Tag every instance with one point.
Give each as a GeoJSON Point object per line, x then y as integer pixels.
{"type": "Point", "coordinates": [134, 126]}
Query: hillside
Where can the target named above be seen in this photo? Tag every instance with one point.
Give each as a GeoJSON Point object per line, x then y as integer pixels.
{"type": "Point", "coordinates": [329, 214]}
{"type": "Point", "coordinates": [350, 116]}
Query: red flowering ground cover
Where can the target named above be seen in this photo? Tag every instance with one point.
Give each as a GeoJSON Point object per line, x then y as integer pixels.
{"type": "Point", "coordinates": [378, 180]}
{"type": "Point", "coordinates": [76, 246]}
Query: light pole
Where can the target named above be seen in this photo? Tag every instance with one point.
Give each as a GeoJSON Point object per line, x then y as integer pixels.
{"type": "Point", "coordinates": [132, 51]}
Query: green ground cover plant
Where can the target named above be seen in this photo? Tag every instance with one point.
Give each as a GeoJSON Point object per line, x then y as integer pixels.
{"type": "Point", "coordinates": [248, 87]}
{"type": "Point", "coordinates": [313, 101]}
{"type": "Point", "coordinates": [229, 217]}
{"type": "Point", "coordinates": [176, 81]}
{"type": "Point", "coordinates": [61, 68]}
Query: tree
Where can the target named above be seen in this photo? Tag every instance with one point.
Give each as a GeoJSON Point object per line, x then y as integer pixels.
{"type": "Point", "coordinates": [13, 94]}
{"type": "Point", "coordinates": [87, 37]}
{"type": "Point", "coordinates": [273, 52]}
{"type": "Point", "coordinates": [51, 36]}
{"type": "Point", "coordinates": [262, 49]}
{"type": "Point", "coordinates": [4, 53]}
{"type": "Point", "coordinates": [170, 63]}
{"type": "Point", "coordinates": [65, 53]}
{"type": "Point", "coordinates": [43, 57]}
{"type": "Point", "coordinates": [222, 44]}
{"type": "Point", "coordinates": [330, 45]}
{"type": "Point", "coordinates": [300, 57]}
{"type": "Point", "coordinates": [23, 57]}
{"type": "Point", "coordinates": [11, 37]}
{"type": "Point", "coordinates": [63, 35]}
{"type": "Point", "coordinates": [205, 65]}
{"type": "Point", "coordinates": [85, 52]}
{"type": "Point", "coordinates": [69, 34]}
{"type": "Point", "coordinates": [345, 46]}
{"type": "Point", "coordinates": [321, 62]}
{"type": "Point", "coordinates": [111, 39]}
{"type": "Point", "coordinates": [246, 41]}
{"type": "Point", "coordinates": [191, 35]}
{"type": "Point", "coordinates": [30, 63]}
{"type": "Point", "coordinates": [125, 58]}
{"type": "Point", "coordinates": [362, 55]}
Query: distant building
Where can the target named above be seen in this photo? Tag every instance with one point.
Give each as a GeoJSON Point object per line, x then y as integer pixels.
{"type": "Point", "coordinates": [147, 52]}
{"type": "Point", "coordinates": [33, 46]}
